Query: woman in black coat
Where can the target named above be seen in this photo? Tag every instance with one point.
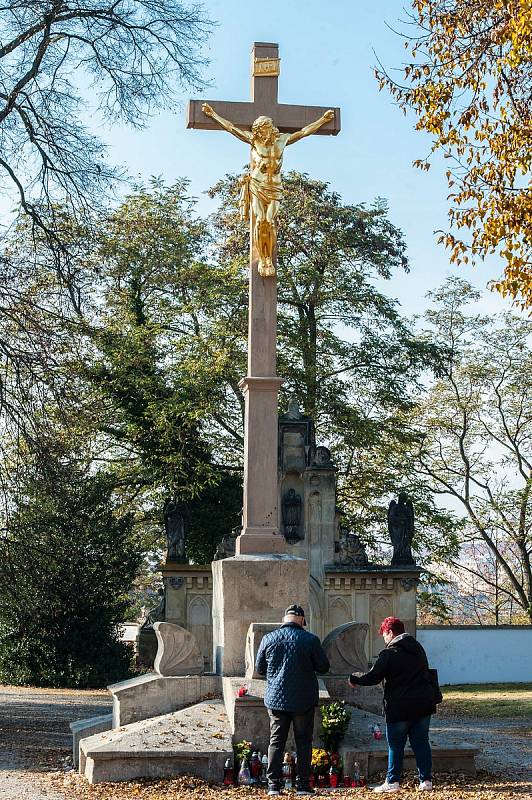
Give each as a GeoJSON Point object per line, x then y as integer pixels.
{"type": "Point", "coordinates": [408, 701]}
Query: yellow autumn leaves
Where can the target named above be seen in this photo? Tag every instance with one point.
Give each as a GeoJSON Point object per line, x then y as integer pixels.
{"type": "Point", "coordinates": [470, 84]}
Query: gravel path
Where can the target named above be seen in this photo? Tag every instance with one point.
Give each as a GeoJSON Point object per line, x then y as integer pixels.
{"type": "Point", "coordinates": [505, 745]}
{"type": "Point", "coordinates": [35, 738]}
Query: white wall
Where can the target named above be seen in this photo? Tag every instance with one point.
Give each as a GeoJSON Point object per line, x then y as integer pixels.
{"type": "Point", "coordinates": [474, 654]}
{"type": "Point", "coordinates": [129, 631]}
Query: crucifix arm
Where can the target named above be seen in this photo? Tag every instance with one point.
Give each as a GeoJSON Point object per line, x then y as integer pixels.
{"type": "Point", "coordinates": [312, 128]}
{"type": "Point", "coordinates": [244, 136]}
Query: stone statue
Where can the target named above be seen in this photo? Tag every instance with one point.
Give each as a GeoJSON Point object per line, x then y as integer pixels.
{"type": "Point", "coordinates": [351, 551]}
{"type": "Point", "coordinates": [291, 515]}
{"type": "Point", "coordinates": [156, 614]}
{"type": "Point", "coordinates": [401, 529]}
{"type": "Point", "coordinates": [226, 548]}
{"type": "Point", "coordinates": [293, 411]}
{"type": "Point", "coordinates": [175, 532]}
{"type": "Point", "coordinates": [262, 188]}
{"type": "Point", "coordinates": [322, 457]}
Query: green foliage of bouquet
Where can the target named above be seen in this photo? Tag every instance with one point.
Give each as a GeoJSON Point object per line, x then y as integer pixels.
{"type": "Point", "coordinates": [242, 750]}
{"type": "Point", "coordinates": [334, 723]}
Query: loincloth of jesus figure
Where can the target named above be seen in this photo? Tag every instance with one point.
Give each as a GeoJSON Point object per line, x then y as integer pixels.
{"type": "Point", "coordinates": [262, 188]}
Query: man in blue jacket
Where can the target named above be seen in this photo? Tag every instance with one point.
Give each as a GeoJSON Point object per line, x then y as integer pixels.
{"type": "Point", "coordinates": [290, 658]}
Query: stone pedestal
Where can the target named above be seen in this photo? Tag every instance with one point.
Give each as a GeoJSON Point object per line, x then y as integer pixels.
{"type": "Point", "coordinates": [369, 594]}
{"type": "Point", "coordinates": [188, 590]}
{"type": "Point", "coordinates": [247, 589]}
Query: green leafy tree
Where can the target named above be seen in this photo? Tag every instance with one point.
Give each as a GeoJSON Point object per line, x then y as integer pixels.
{"type": "Point", "coordinates": [155, 289]}
{"type": "Point", "coordinates": [68, 559]}
{"type": "Point", "coordinates": [343, 348]}
{"type": "Point", "coordinates": [474, 430]}
{"type": "Point", "coordinates": [160, 347]}
{"type": "Point", "coordinates": [118, 372]}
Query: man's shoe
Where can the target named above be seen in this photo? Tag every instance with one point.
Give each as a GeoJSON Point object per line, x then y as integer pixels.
{"type": "Point", "coordinates": [273, 792]}
{"type": "Point", "coordinates": [387, 787]}
{"type": "Point", "coordinates": [308, 792]}
{"type": "Point", "coordinates": [425, 786]}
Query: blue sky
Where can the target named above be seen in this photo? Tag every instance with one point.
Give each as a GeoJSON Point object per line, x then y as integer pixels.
{"type": "Point", "coordinates": [327, 58]}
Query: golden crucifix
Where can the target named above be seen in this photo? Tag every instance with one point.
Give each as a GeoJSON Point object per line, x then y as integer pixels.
{"type": "Point", "coordinates": [262, 187]}
{"type": "Point", "coordinates": [268, 126]}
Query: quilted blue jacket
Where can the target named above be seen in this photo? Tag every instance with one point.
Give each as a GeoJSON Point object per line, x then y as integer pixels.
{"type": "Point", "coordinates": [290, 658]}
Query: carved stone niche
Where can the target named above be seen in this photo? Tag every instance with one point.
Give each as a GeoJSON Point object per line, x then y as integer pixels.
{"type": "Point", "coordinates": [178, 652]}
{"type": "Point", "coordinates": [292, 510]}
{"type": "Point", "coordinates": [381, 606]}
{"type": "Point", "coordinates": [199, 623]}
{"type": "Point", "coordinates": [296, 439]}
{"type": "Point", "coordinates": [293, 450]}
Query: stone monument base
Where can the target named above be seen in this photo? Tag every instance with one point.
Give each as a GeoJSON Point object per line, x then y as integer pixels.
{"type": "Point", "coordinates": [248, 589]}
{"type": "Point", "coordinates": [198, 739]}
{"type": "Point", "coordinates": [192, 741]}
{"type": "Point", "coordinates": [165, 725]}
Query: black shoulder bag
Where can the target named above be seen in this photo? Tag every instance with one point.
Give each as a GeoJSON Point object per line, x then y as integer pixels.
{"type": "Point", "coordinates": [433, 678]}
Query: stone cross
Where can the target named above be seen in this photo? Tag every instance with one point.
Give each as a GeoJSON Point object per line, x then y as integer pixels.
{"type": "Point", "coordinates": [260, 523]}
{"type": "Point", "coordinates": [264, 101]}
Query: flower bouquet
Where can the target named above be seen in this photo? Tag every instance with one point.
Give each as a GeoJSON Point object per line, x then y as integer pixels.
{"type": "Point", "coordinates": [320, 764]}
{"type": "Point", "coordinates": [242, 751]}
{"type": "Point", "coordinates": [334, 723]}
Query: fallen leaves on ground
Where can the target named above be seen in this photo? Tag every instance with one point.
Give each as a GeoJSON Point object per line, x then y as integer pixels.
{"type": "Point", "coordinates": [447, 787]}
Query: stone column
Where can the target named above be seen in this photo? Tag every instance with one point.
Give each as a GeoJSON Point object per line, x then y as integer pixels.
{"type": "Point", "coordinates": [260, 387]}
{"type": "Point", "coordinates": [261, 580]}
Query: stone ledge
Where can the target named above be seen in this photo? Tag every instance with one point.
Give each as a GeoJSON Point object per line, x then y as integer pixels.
{"type": "Point", "coordinates": [248, 716]}
{"type": "Point", "coordinates": [151, 695]}
{"type": "Point", "coordinates": [373, 569]}
{"type": "Point", "coordinates": [83, 728]}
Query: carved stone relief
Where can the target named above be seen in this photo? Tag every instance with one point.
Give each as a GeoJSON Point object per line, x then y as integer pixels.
{"type": "Point", "coordinates": [339, 612]}
{"type": "Point", "coordinates": [178, 652]}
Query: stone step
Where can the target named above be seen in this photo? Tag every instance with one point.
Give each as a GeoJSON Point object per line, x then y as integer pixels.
{"type": "Point", "coordinates": [449, 754]}
{"type": "Point", "coordinates": [83, 728]}
{"type": "Point", "coordinates": [193, 741]}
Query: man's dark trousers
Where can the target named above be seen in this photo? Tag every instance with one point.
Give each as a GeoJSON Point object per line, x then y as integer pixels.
{"type": "Point", "coordinates": [303, 730]}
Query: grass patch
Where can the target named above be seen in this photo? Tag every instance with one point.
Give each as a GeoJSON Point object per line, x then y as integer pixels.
{"type": "Point", "coordinates": [501, 700]}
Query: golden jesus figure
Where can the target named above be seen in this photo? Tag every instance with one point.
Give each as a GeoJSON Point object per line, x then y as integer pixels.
{"type": "Point", "coordinates": [263, 188]}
